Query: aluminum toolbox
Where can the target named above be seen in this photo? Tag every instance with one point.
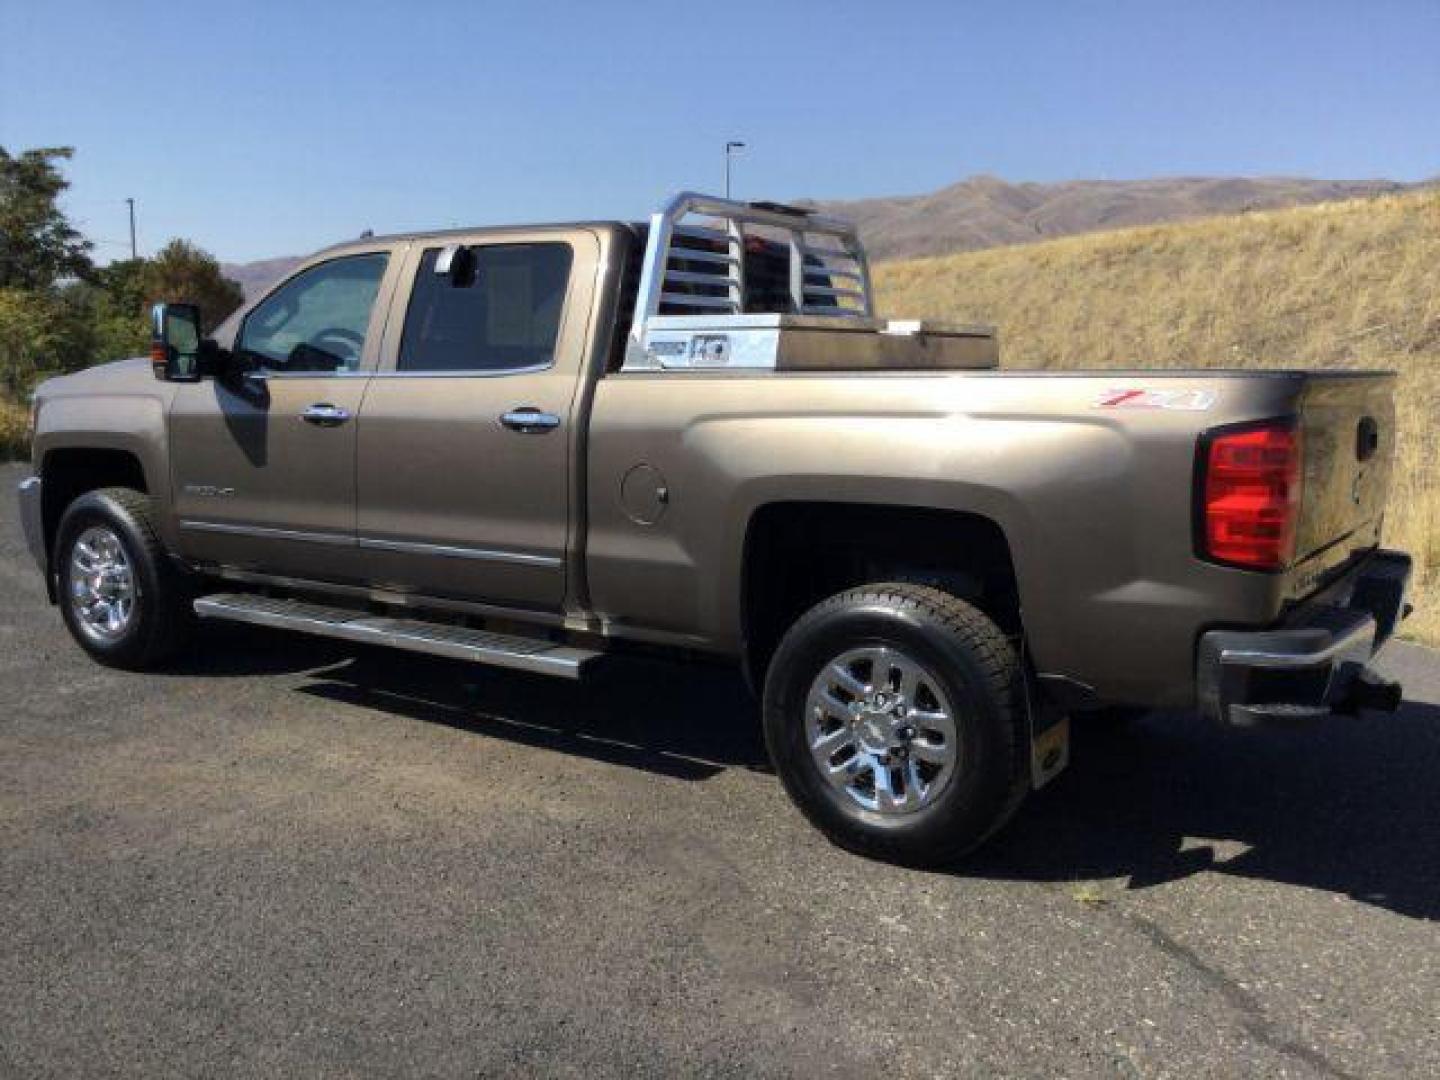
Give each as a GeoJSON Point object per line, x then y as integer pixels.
{"type": "Point", "coordinates": [784, 342]}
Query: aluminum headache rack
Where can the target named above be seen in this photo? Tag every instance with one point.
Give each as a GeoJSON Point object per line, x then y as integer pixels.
{"type": "Point", "coordinates": [707, 237]}
{"type": "Point", "coordinates": [728, 284]}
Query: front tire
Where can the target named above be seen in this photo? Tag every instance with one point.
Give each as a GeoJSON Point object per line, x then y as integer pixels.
{"type": "Point", "coordinates": [121, 599]}
{"type": "Point", "coordinates": [893, 715]}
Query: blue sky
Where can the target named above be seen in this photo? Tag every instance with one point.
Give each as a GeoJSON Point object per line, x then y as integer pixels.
{"type": "Point", "coordinates": [262, 128]}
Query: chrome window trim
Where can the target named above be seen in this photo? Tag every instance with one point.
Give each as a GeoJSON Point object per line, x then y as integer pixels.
{"type": "Point", "coordinates": [488, 374]}
{"type": "Point", "coordinates": [267, 374]}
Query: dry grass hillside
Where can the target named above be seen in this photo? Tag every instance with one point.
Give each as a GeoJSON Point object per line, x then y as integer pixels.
{"type": "Point", "coordinates": [1346, 284]}
{"type": "Point", "coordinates": [985, 211]}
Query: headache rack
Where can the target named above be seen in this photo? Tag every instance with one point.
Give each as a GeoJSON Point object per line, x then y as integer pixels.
{"type": "Point", "coordinates": [759, 285]}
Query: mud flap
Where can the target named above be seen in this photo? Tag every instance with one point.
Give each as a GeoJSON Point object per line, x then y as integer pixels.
{"type": "Point", "coordinates": [1049, 728]}
{"type": "Point", "coordinates": [1049, 743]}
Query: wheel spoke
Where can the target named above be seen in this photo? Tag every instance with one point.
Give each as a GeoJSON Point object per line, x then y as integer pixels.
{"type": "Point", "coordinates": [85, 556]}
{"type": "Point", "coordinates": [932, 720]}
{"type": "Point", "coordinates": [909, 684]}
{"type": "Point", "coordinates": [828, 742]}
{"type": "Point", "coordinates": [915, 786]}
{"type": "Point", "coordinates": [932, 753]}
{"type": "Point", "coordinates": [885, 795]}
{"type": "Point", "coordinates": [841, 676]}
{"type": "Point", "coordinates": [882, 671]}
{"type": "Point", "coordinates": [831, 705]}
{"type": "Point", "coordinates": [844, 774]}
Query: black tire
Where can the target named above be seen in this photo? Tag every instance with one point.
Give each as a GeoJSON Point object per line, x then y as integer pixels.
{"type": "Point", "coordinates": [965, 652]}
{"type": "Point", "coordinates": [161, 615]}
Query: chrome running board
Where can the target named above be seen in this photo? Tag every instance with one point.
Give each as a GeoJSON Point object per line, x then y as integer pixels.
{"type": "Point", "coordinates": [415, 635]}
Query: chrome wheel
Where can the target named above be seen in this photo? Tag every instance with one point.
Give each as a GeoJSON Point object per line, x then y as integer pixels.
{"type": "Point", "coordinates": [881, 730]}
{"type": "Point", "coordinates": [102, 585]}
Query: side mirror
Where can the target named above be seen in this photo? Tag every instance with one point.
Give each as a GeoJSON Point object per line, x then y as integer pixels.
{"type": "Point", "coordinates": [175, 342]}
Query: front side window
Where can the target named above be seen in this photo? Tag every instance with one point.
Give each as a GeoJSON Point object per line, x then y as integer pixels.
{"type": "Point", "coordinates": [495, 308]}
{"type": "Point", "coordinates": [316, 321]}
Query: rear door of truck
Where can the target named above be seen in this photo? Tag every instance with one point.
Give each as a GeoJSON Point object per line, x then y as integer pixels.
{"type": "Point", "coordinates": [467, 432]}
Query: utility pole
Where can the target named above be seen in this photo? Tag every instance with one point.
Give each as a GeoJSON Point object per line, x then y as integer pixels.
{"type": "Point", "coordinates": [730, 148]}
{"type": "Point", "coordinates": [134, 251]}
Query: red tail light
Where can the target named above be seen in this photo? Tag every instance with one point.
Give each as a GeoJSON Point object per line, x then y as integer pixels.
{"type": "Point", "coordinates": [1250, 495]}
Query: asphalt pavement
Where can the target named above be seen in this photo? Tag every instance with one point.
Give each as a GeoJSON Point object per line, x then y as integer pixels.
{"type": "Point", "coordinates": [282, 857]}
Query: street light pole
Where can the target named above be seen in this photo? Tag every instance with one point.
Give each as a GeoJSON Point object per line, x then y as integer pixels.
{"type": "Point", "coordinates": [730, 148]}
{"type": "Point", "coordinates": [134, 252]}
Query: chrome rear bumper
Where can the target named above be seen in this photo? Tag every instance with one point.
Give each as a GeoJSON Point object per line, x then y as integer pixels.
{"type": "Point", "coordinates": [1314, 662]}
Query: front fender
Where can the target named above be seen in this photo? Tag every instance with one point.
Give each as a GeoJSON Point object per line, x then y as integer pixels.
{"type": "Point", "coordinates": [132, 422]}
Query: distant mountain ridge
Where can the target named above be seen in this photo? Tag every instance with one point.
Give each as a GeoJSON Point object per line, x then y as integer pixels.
{"type": "Point", "coordinates": [985, 211]}
{"type": "Point", "coordinates": [253, 277]}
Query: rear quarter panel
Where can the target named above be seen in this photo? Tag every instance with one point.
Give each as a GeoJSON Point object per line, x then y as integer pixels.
{"type": "Point", "coordinates": [1096, 503]}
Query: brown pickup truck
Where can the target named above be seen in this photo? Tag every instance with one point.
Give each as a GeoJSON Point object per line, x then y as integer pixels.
{"type": "Point", "coordinates": [537, 447]}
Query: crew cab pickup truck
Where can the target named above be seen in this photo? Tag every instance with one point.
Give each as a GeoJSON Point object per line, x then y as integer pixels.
{"type": "Point", "coordinates": [538, 447]}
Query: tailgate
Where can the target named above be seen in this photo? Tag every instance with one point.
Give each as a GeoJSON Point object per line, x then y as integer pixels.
{"type": "Point", "coordinates": [1347, 428]}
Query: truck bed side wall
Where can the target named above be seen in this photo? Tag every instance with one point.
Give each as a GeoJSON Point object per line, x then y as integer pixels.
{"type": "Point", "coordinates": [1096, 504]}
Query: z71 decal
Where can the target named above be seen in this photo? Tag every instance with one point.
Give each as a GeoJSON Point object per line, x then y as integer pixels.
{"type": "Point", "coordinates": [1193, 400]}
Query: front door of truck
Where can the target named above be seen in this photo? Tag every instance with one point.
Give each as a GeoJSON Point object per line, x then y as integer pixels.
{"type": "Point", "coordinates": [263, 467]}
{"type": "Point", "coordinates": [466, 436]}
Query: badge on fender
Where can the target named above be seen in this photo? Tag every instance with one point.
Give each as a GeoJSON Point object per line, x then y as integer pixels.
{"type": "Point", "coordinates": [1188, 400]}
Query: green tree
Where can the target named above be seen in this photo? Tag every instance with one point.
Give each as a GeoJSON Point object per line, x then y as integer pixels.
{"type": "Point", "coordinates": [123, 283]}
{"type": "Point", "coordinates": [119, 309]}
{"type": "Point", "coordinates": [58, 313]}
{"type": "Point", "coordinates": [117, 325]}
{"type": "Point", "coordinates": [42, 332]}
{"type": "Point", "coordinates": [38, 245]}
{"type": "Point", "coordinates": [182, 271]}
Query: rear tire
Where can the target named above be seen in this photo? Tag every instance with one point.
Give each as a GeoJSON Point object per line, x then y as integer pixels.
{"type": "Point", "coordinates": [845, 680]}
{"type": "Point", "coordinates": [121, 599]}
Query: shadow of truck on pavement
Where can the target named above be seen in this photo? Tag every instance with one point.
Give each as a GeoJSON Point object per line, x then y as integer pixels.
{"type": "Point", "coordinates": [1347, 805]}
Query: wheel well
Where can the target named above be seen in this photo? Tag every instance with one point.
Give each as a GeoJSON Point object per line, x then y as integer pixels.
{"type": "Point", "coordinates": [69, 473]}
{"type": "Point", "coordinates": [796, 554]}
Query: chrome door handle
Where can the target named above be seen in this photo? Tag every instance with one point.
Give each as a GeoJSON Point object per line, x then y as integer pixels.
{"type": "Point", "coordinates": [323, 414]}
{"type": "Point", "coordinates": [530, 421]}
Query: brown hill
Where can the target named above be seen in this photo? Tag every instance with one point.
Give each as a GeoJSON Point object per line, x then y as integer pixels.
{"type": "Point", "coordinates": [985, 212]}
{"type": "Point", "coordinates": [253, 277]}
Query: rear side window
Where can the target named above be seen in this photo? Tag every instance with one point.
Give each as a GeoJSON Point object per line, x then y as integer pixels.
{"type": "Point", "coordinates": [496, 308]}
